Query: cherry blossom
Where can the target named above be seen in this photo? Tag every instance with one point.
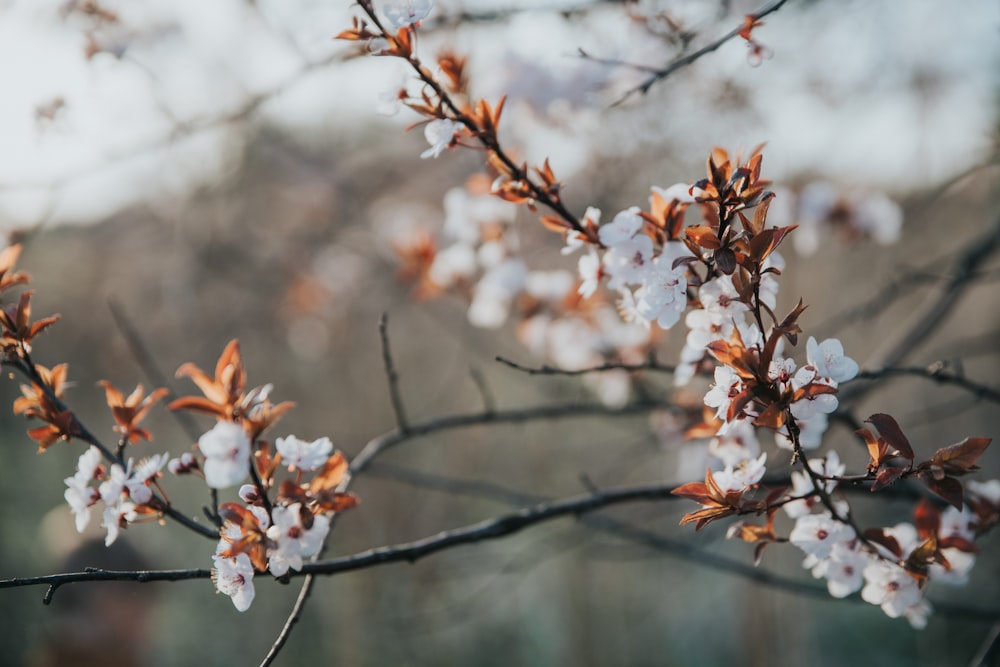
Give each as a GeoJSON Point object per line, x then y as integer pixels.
{"type": "Point", "coordinates": [227, 454]}
{"type": "Point", "coordinates": [627, 262]}
{"type": "Point", "coordinates": [79, 494]}
{"type": "Point", "coordinates": [843, 568]}
{"type": "Point", "coordinates": [301, 455]}
{"type": "Point", "coordinates": [234, 577]}
{"type": "Point", "coordinates": [293, 539]}
{"type": "Point", "coordinates": [890, 587]}
{"type": "Point", "coordinates": [663, 295]}
{"type": "Point", "coordinates": [116, 514]}
{"type": "Point", "coordinates": [590, 273]}
{"type": "Point", "coordinates": [989, 491]}
{"type": "Point", "coordinates": [816, 534]}
{"type": "Point", "coordinates": [440, 134]}
{"type": "Point", "coordinates": [402, 13]}
{"type": "Point", "coordinates": [137, 482]}
{"type": "Point", "coordinates": [623, 228]}
{"type": "Point", "coordinates": [829, 361]}
{"type": "Point", "coordinates": [727, 384]}
{"type": "Point", "coordinates": [721, 301]}
{"type": "Point", "coordinates": [182, 465]}
{"type": "Point", "coordinates": [734, 443]}
{"type": "Point", "coordinates": [742, 476]}
{"type": "Point", "coordinates": [802, 485]}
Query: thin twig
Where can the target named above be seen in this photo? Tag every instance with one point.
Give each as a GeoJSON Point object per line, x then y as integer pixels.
{"type": "Point", "coordinates": [545, 369]}
{"type": "Point", "coordinates": [392, 377]}
{"type": "Point", "coordinates": [936, 373]}
{"type": "Point", "coordinates": [989, 651]}
{"type": "Point", "coordinates": [489, 402]}
{"type": "Point", "coordinates": [662, 73]}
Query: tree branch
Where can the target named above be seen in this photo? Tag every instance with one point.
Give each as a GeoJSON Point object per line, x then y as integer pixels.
{"type": "Point", "coordinates": [662, 73]}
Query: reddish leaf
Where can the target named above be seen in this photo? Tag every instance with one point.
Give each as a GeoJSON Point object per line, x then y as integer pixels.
{"type": "Point", "coordinates": [948, 488]}
{"type": "Point", "coordinates": [888, 428]}
{"type": "Point", "coordinates": [927, 518]}
{"type": "Point", "coordinates": [879, 537]}
{"type": "Point", "coordinates": [961, 457]}
{"type": "Point", "coordinates": [705, 237]}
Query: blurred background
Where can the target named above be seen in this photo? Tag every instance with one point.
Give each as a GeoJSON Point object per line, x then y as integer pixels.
{"type": "Point", "coordinates": [219, 170]}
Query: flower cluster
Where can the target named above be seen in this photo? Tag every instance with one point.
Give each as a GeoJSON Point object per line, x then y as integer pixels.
{"type": "Point", "coordinates": [259, 535]}
{"type": "Point", "coordinates": [125, 491]}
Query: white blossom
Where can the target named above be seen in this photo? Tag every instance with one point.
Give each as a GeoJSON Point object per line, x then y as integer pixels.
{"type": "Point", "coordinates": [816, 534]}
{"type": "Point", "coordinates": [440, 133]}
{"type": "Point", "coordinates": [301, 455]}
{"type": "Point", "coordinates": [234, 577]}
{"type": "Point", "coordinates": [227, 454]}
{"type": "Point", "coordinates": [663, 295]}
{"type": "Point", "coordinates": [890, 587]}
{"type": "Point", "coordinates": [829, 361]}
{"type": "Point", "coordinates": [294, 541]}
{"type": "Point", "coordinates": [744, 475]}
{"type": "Point", "coordinates": [401, 13]}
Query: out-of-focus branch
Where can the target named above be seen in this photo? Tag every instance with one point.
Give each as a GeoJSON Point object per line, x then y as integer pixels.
{"type": "Point", "coordinates": [963, 272]}
{"type": "Point", "coordinates": [651, 365]}
{"type": "Point", "coordinates": [936, 373]}
{"type": "Point", "coordinates": [659, 74]}
{"type": "Point", "coordinates": [391, 376]}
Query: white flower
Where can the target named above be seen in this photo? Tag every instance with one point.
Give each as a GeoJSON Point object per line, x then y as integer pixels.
{"type": "Point", "coordinates": [623, 228]}
{"type": "Point", "coordinates": [734, 443]}
{"type": "Point", "coordinates": [782, 369]}
{"type": "Point", "coordinates": [79, 494]}
{"type": "Point", "coordinates": [816, 534]}
{"type": "Point", "coordinates": [810, 406]}
{"type": "Point", "coordinates": [829, 361]}
{"type": "Point", "coordinates": [400, 13]}
{"type": "Point", "coordinates": [988, 491]}
{"type": "Point", "coordinates": [677, 192]}
{"type": "Point", "coordinates": [550, 286]}
{"type": "Point", "coordinates": [917, 614]}
{"type": "Point", "coordinates": [802, 485]}
{"type": "Point", "coordinates": [721, 301]}
{"type": "Point", "coordinates": [145, 471]}
{"type": "Point", "coordinates": [810, 432]}
{"type": "Point", "coordinates": [955, 523]}
{"type": "Point", "coordinates": [627, 262]}
{"type": "Point", "coordinates": [440, 134]}
{"type": "Point", "coordinates": [880, 217]}
{"type": "Point", "coordinates": [227, 454]}
{"type": "Point", "coordinates": [589, 266]}
{"type": "Point", "coordinates": [843, 569]}
{"type": "Point", "coordinates": [114, 485]}
{"type": "Point", "coordinates": [493, 294]}
{"type": "Point", "coordinates": [744, 475]}
{"type": "Point", "coordinates": [456, 262]}
{"type": "Point", "coordinates": [115, 516]}
{"type": "Point", "coordinates": [294, 541]}
{"type": "Point", "coordinates": [890, 587]}
{"type": "Point", "coordinates": [960, 564]}
{"type": "Point", "coordinates": [663, 295]}
{"type": "Point", "coordinates": [234, 577]}
{"type": "Point", "coordinates": [183, 465]}
{"type": "Point", "coordinates": [302, 455]}
{"type": "Point", "coordinates": [727, 385]}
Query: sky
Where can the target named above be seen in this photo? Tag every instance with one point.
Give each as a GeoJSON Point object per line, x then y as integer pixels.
{"type": "Point", "coordinates": [863, 92]}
